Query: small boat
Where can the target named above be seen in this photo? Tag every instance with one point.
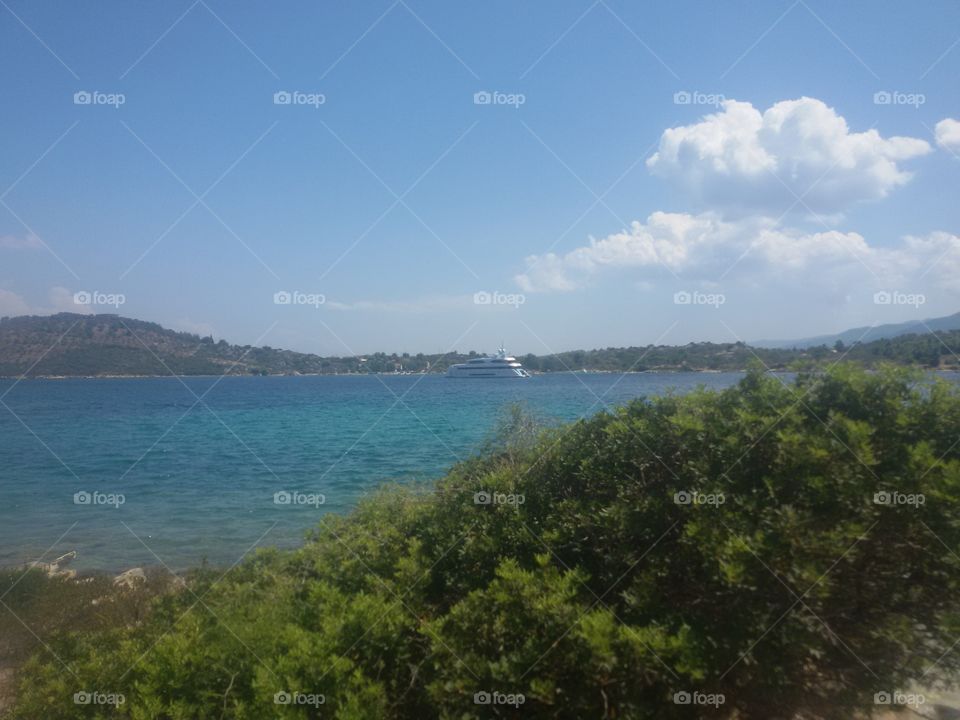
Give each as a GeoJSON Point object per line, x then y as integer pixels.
{"type": "Point", "coordinates": [500, 365]}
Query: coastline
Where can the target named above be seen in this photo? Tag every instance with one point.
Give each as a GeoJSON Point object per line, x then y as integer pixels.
{"type": "Point", "coordinates": [655, 371]}
{"type": "Point", "coordinates": [673, 370]}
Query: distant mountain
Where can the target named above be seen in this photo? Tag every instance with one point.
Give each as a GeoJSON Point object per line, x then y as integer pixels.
{"type": "Point", "coordinates": [868, 334]}
{"type": "Point", "coordinates": [72, 345]}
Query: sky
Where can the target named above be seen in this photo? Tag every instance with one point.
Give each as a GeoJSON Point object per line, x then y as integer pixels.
{"type": "Point", "coordinates": [426, 176]}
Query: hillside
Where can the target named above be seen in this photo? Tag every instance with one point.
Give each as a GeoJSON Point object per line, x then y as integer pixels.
{"type": "Point", "coordinates": [869, 334]}
{"type": "Point", "coordinates": [72, 345]}
{"type": "Point", "coordinates": [78, 345]}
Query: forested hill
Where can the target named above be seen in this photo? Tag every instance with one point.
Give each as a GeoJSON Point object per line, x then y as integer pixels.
{"type": "Point", "coordinates": [70, 344]}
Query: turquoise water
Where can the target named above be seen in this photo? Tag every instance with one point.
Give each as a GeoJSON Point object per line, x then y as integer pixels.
{"type": "Point", "coordinates": [198, 479]}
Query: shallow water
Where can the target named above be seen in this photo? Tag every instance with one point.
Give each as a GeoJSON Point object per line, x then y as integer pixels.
{"type": "Point", "coordinates": [198, 478]}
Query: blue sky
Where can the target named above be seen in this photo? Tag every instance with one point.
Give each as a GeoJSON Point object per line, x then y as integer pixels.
{"type": "Point", "coordinates": [588, 200]}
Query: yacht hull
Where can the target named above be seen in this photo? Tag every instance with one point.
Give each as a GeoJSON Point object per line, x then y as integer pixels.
{"type": "Point", "coordinates": [455, 372]}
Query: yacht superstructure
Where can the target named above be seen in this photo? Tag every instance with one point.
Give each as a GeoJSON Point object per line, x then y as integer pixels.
{"type": "Point", "coordinates": [500, 365]}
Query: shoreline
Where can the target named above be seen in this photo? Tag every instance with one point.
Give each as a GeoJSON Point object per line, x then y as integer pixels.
{"type": "Point", "coordinates": [662, 371]}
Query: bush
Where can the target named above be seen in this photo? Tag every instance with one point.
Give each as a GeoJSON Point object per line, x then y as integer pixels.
{"type": "Point", "coordinates": [768, 551]}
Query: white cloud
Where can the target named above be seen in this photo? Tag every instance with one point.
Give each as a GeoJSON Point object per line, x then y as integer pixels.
{"type": "Point", "coordinates": [62, 300]}
{"type": "Point", "coordinates": [59, 299]}
{"type": "Point", "coordinates": [948, 135]}
{"type": "Point", "coordinates": [704, 248]}
{"type": "Point", "coordinates": [740, 160]}
{"type": "Point", "coordinates": [12, 304]}
{"type": "Point", "coordinates": [27, 242]}
{"type": "Point", "coordinates": [670, 240]}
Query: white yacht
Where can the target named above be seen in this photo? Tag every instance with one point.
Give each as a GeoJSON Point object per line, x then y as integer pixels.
{"type": "Point", "coordinates": [500, 365]}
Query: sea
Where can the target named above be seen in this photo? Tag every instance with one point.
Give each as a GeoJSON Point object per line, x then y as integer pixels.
{"type": "Point", "coordinates": [174, 472]}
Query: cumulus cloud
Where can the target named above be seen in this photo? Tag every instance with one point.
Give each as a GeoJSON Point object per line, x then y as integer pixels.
{"type": "Point", "coordinates": [706, 248]}
{"type": "Point", "coordinates": [747, 167]}
{"type": "Point", "coordinates": [670, 240]}
{"type": "Point", "coordinates": [741, 160]}
{"type": "Point", "coordinates": [948, 135]}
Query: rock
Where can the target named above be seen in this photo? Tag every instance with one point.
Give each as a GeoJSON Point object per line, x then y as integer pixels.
{"type": "Point", "coordinates": [66, 559]}
{"type": "Point", "coordinates": [130, 578]}
{"type": "Point", "coordinates": [55, 568]}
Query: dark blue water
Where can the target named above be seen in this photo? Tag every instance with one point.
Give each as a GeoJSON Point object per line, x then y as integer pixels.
{"type": "Point", "coordinates": [199, 479]}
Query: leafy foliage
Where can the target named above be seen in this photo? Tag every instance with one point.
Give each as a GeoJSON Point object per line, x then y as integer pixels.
{"type": "Point", "coordinates": [805, 575]}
